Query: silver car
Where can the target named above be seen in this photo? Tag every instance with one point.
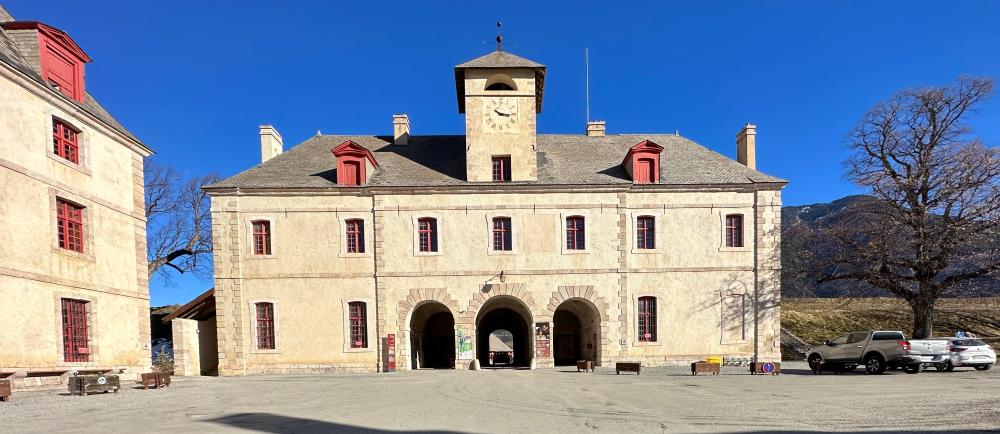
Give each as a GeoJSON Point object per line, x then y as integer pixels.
{"type": "Point", "coordinates": [968, 352]}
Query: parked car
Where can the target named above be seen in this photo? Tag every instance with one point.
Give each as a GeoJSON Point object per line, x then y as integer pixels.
{"type": "Point", "coordinates": [878, 350]}
{"type": "Point", "coordinates": [968, 352]}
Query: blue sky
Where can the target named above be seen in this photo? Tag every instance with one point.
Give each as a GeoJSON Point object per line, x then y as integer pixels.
{"type": "Point", "coordinates": [195, 79]}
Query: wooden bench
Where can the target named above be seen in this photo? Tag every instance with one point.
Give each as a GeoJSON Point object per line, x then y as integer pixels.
{"type": "Point", "coordinates": [585, 365]}
{"type": "Point", "coordinates": [5, 391]}
{"type": "Point", "coordinates": [627, 367]}
{"type": "Point", "coordinates": [155, 379]}
{"type": "Point", "coordinates": [703, 366]}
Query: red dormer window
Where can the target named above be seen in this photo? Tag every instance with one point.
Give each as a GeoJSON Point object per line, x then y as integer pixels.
{"type": "Point", "coordinates": [643, 162]}
{"type": "Point", "coordinates": [354, 163]}
{"type": "Point", "coordinates": [60, 59]}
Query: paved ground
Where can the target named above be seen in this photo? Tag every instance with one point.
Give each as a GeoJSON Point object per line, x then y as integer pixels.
{"type": "Point", "coordinates": [660, 400]}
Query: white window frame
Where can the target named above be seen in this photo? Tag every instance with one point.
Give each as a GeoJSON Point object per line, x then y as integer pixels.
{"type": "Point", "coordinates": [658, 231]}
{"type": "Point", "coordinates": [587, 220]}
{"type": "Point", "coordinates": [515, 225]}
{"type": "Point", "coordinates": [248, 230]}
{"type": "Point", "coordinates": [369, 326]}
{"type": "Point", "coordinates": [368, 234]}
{"type": "Point", "coordinates": [415, 221]}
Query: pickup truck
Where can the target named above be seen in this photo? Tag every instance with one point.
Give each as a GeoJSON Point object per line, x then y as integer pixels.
{"type": "Point", "coordinates": [878, 350]}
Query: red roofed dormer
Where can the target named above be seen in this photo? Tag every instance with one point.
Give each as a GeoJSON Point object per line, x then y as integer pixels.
{"type": "Point", "coordinates": [354, 163]}
{"type": "Point", "coordinates": [60, 59]}
{"type": "Point", "coordinates": [642, 162]}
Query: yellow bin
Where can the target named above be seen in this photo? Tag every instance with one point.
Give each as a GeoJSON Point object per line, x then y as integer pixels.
{"type": "Point", "coordinates": [714, 359]}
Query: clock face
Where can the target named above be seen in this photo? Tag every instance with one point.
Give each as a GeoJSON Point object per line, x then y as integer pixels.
{"type": "Point", "coordinates": [500, 114]}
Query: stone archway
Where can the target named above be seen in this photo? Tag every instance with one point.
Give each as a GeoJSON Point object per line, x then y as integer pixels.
{"type": "Point", "coordinates": [506, 306]}
{"type": "Point", "coordinates": [580, 325]}
{"type": "Point", "coordinates": [424, 304]}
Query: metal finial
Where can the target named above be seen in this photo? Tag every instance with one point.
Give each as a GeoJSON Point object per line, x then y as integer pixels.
{"type": "Point", "coordinates": [499, 37]}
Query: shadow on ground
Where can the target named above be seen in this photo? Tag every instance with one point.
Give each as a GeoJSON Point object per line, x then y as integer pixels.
{"type": "Point", "coordinates": [276, 423]}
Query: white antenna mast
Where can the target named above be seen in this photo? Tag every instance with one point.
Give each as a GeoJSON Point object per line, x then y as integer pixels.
{"type": "Point", "coordinates": [586, 61]}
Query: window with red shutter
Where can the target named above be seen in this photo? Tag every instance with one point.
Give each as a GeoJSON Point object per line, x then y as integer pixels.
{"type": "Point", "coordinates": [647, 319]}
{"type": "Point", "coordinates": [358, 325]}
{"type": "Point", "coordinates": [265, 326]}
{"type": "Point", "coordinates": [734, 230]}
{"type": "Point", "coordinates": [502, 234]}
{"type": "Point", "coordinates": [69, 225]}
{"type": "Point", "coordinates": [352, 173]}
{"type": "Point", "coordinates": [355, 236]}
{"type": "Point", "coordinates": [65, 141]}
{"type": "Point", "coordinates": [645, 232]}
{"type": "Point", "coordinates": [261, 237]}
{"type": "Point", "coordinates": [427, 234]}
{"type": "Point", "coordinates": [575, 233]}
{"type": "Point", "coordinates": [501, 169]}
{"type": "Point", "coordinates": [75, 333]}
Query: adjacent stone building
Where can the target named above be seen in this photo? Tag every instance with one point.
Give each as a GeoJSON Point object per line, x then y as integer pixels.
{"type": "Point", "coordinates": [499, 247]}
{"type": "Point", "coordinates": [73, 280]}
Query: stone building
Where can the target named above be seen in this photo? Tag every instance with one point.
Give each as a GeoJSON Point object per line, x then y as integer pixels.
{"type": "Point", "coordinates": [73, 280]}
{"type": "Point", "coordinates": [558, 247]}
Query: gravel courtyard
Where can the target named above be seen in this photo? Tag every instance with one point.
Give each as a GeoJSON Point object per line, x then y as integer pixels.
{"type": "Point", "coordinates": [560, 400]}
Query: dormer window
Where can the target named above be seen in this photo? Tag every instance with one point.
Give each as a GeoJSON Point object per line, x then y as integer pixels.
{"type": "Point", "coordinates": [643, 162]}
{"type": "Point", "coordinates": [354, 164]}
{"type": "Point", "coordinates": [60, 60]}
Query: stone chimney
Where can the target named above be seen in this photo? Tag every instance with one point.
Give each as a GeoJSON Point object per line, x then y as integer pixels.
{"type": "Point", "coordinates": [400, 129]}
{"type": "Point", "coordinates": [270, 143]}
{"type": "Point", "coordinates": [746, 146]}
{"type": "Point", "coordinates": [595, 129]}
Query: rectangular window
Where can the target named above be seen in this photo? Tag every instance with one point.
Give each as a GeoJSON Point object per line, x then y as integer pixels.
{"type": "Point", "coordinates": [645, 232]}
{"type": "Point", "coordinates": [427, 233]}
{"type": "Point", "coordinates": [647, 319]}
{"type": "Point", "coordinates": [74, 326]}
{"type": "Point", "coordinates": [734, 230]}
{"type": "Point", "coordinates": [575, 233]}
{"type": "Point", "coordinates": [262, 237]}
{"type": "Point", "coordinates": [355, 236]}
{"type": "Point", "coordinates": [501, 169]}
{"type": "Point", "coordinates": [65, 141]}
{"type": "Point", "coordinates": [359, 324]}
{"type": "Point", "coordinates": [502, 234]}
{"type": "Point", "coordinates": [69, 222]}
{"type": "Point", "coordinates": [265, 326]}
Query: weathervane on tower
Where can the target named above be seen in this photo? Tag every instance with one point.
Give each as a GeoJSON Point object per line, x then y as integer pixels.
{"type": "Point", "coordinates": [499, 37]}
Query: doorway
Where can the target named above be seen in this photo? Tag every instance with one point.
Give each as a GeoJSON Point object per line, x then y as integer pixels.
{"type": "Point", "coordinates": [575, 330]}
{"type": "Point", "coordinates": [502, 326]}
{"type": "Point", "coordinates": [432, 337]}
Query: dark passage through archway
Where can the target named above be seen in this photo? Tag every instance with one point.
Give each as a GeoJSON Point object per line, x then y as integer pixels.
{"type": "Point", "coordinates": [498, 315]}
{"type": "Point", "coordinates": [575, 333]}
{"type": "Point", "coordinates": [432, 337]}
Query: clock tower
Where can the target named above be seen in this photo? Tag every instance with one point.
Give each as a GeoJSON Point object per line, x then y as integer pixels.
{"type": "Point", "coordinates": [500, 94]}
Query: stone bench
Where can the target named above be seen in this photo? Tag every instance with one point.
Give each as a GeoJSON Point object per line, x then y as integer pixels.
{"type": "Point", "coordinates": [5, 391]}
{"type": "Point", "coordinates": [627, 367]}
{"type": "Point", "coordinates": [585, 365]}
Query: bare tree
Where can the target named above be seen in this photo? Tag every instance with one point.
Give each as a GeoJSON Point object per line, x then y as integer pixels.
{"type": "Point", "coordinates": [178, 222]}
{"type": "Point", "coordinates": [933, 227]}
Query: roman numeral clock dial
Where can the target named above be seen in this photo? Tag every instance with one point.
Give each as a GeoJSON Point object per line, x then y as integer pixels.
{"type": "Point", "coordinates": [500, 114]}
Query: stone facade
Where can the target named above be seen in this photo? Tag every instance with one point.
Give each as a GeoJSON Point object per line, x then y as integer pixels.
{"type": "Point", "coordinates": [559, 304]}
{"type": "Point", "coordinates": [35, 273]}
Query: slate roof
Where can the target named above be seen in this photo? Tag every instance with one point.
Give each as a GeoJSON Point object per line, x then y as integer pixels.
{"type": "Point", "coordinates": [500, 59]}
{"type": "Point", "coordinates": [563, 159]}
{"type": "Point", "coordinates": [10, 55]}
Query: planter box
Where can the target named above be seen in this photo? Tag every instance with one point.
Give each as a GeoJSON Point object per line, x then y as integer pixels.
{"type": "Point", "coordinates": [155, 379]}
{"type": "Point", "coordinates": [84, 384]}
{"type": "Point", "coordinates": [5, 390]}
{"type": "Point", "coordinates": [763, 367]}
{"type": "Point", "coordinates": [706, 367]}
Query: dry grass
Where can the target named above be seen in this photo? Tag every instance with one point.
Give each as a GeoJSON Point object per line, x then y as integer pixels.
{"type": "Point", "coordinates": [815, 320]}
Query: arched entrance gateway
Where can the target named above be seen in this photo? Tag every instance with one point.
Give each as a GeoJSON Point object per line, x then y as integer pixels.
{"type": "Point", "coordinates": [576, 332]}
{"type": "Point", "coordinates": [503, 326]}
{"type": "Point", "coordinates": [432, 337]}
